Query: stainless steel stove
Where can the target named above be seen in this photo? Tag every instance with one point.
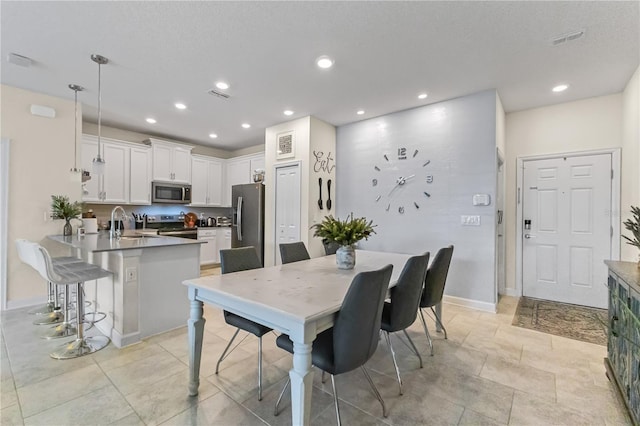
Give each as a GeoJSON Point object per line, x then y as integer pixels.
{"type": "Point", "coordinates": [171, 226]}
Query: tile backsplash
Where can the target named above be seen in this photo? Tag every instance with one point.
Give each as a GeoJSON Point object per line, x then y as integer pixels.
{"type": "Point", "coordinates": [103, 211]}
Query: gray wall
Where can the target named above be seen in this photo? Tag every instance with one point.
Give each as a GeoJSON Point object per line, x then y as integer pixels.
{"type": "Point", "coordinates": [459, 137]}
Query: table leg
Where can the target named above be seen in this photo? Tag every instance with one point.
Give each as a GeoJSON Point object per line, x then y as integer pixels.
{"type": "Point", "coordinates": [195, 326]}
{"type": "Point", "coordinates": [301, 384]}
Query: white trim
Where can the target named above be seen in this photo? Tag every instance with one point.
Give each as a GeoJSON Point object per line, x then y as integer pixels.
{"type": "Point", "coordinates": [470, 303]}
{"type": "Point", "coordinates": [31, 302]}
{"type": "Point", "coordinates": [614, 208]}
{"type": "Point", "coordinates": [4, 218]}
{"type": "Point", "coordinates": [511, 292]}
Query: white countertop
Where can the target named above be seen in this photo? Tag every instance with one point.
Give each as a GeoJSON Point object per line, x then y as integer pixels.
{"type": "Point", "coordinates": [101, 242]}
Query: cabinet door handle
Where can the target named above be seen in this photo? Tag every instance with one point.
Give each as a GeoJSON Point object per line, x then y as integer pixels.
{"type": "Point", "coordinates": [614, 320]}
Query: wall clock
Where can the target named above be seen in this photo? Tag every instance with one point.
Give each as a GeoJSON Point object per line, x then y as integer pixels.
{"type": "Point", "coordinates": [402, 181]}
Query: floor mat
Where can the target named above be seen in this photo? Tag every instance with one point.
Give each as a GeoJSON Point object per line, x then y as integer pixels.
{"type": "Point", "coordinates": [562, 319]}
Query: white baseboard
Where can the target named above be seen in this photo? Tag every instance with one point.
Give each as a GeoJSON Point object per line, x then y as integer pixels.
{"type": "Point", "coordinates": [120, 340]}
{"type": "Point", "coordinates": [26, 303]}
{"type": "Point", "coordinates": [473, 304]}
{"type": "Point", "coordinates": [513, 292]}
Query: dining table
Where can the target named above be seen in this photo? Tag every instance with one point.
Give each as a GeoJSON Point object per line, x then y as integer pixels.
{"type": "Point", "coordinates": [300, 299]}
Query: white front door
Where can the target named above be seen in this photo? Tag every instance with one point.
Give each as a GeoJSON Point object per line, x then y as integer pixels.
{"type": "Point", "coordinates": [287, 206]}
{"type": "Point", "coordinates": [566, 228]}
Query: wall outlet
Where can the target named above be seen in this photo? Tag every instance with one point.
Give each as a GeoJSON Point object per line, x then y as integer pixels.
{"type": "Point", "coordinates": [131, 273]}
{"type": "Point", "coordinates": [470, 220]}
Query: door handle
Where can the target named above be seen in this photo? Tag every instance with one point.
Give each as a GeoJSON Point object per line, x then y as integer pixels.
{"type": "Point", "coordinates": [239, 226]}
{"type": "Point", "coordinates": [528, 236]}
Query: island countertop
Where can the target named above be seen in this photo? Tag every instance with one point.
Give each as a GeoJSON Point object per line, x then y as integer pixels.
{"type": "Point", "coordinates": [101, 242]}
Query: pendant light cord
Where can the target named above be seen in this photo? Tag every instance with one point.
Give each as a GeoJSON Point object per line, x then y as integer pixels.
{"type": "Point", "coordinates": [99, 105]}
{"type": "Point", "coordinates": [75, 134]}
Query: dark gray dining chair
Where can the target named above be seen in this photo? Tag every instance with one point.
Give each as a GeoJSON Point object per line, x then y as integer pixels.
{"type": "Point", "coordinates": [234, 260]}
{"type": "Point", "coordinates": [402, 309]}
{"type": "Point", "coordinates": [434, 288]}
{"type": "Point", "coordinates": [353, 339]}
{"type": "Point", "coordinates": [293, 252]}
{"type": "Point", "coordinates": [330, 247]}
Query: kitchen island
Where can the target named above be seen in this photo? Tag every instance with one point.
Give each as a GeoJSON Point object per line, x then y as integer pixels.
{"type": "Point", "coordinates": [145, 296]}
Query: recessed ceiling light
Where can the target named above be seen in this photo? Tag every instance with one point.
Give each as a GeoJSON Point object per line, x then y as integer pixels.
{"type": "Point", "coordinates": [560, 88]}
{"type": "Point", "coordinates": [422, 96]}
{"type": "Point", "coordinates": [246, 125]}
{"type": "Point", "coordinates": [151, 120]}
{"type": "Point", "coordinates": [360, 112]}
{"type": "Point", "coordinates": [288, 112]}
{"type": "Point", "coordinates": [213, 135]}
{"type": "Point", "coordinates": [222, 85]}
{"type": "Point", "coordinates": [180, 105]}
{"type": "Point", "coordinates": [324, 62]}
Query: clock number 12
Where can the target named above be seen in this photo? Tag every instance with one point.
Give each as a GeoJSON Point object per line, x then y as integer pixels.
{"type": "Point", "coordinates": [402, 153]}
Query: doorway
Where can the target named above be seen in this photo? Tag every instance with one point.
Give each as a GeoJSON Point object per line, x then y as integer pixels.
{"type": "Point", "coordinates": [287, 207]}
{"type": "Point", "coordinates": [566, 229]}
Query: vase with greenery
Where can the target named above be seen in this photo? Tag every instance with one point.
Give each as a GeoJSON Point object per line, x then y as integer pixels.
{"type": "Point", "coordinates": [62, 208]}
{"type": "Point", "coordinates": [633, 225]}
{"type": "Point", "coordinates": [345, 233]}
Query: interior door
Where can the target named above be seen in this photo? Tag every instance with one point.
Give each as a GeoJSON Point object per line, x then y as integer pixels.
{"type": "Point", "coordinates": [567, 229]}
{"type": "Point", "coordinates": [287, 206]}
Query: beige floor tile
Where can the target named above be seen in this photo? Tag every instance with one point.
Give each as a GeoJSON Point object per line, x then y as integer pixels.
{"type": "Point", "coordinates": [169, 397]}
{"type": "Point", "coordinates": [531, 410]}
{"type": "Point", "coordinates": [218, 409]}
{"type": "Point", "coordinates": [143, 374]}
{"type": "Point", "coordinates": [507, 349]}
{"type": "Point", "coordinates": [349, 415]}
{"type": "Point", "coordinates": [111, 358]}
{"type": "Point", "coordinates": [524, 336]}
{"type": "Point", "coordinates": [519, 376]}
{"type": "Point", "coordinates": [37, 397]}
{"type": "Point", "coordinates": [473, 418]}
{"type": "Point", "coordinates": [583, 349]}
{"type": "Point", "coordinates": [554, 361]}
{"type": "Point", "coordinates": [11, 416]}
{"type": "Point", "coordinates": [130, 420]}
{"type": "Point", "coordinates": [100, 407]}
{"type": "Point", "coordinates": [8, 394]}
{"type": "Point", "coordinates": [211, 351]}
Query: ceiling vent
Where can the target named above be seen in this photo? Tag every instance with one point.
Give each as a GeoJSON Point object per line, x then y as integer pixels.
{"type": "Point", "coordinates": [214, 92]}
{"type": "Point", "coordinates": [567, 37]}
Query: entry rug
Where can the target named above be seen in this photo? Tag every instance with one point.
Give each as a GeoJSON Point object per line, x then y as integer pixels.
{"type": "Point", "coordinates": [562, 319]}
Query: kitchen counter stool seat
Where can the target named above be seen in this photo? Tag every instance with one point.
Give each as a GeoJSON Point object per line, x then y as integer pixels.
{"type": "Point", "coordinates": [77, 274]}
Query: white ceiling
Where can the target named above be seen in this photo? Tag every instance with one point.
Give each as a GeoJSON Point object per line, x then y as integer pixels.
{"type": "Point", "coordinates": [385, 54]}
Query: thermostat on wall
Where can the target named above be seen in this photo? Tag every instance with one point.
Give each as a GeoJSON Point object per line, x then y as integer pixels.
{"type": "Point", "coordinates": [481, 199]}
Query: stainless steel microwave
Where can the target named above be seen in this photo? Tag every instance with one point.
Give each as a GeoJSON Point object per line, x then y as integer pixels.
{"type": "Point", "coordinates": [173, 193]}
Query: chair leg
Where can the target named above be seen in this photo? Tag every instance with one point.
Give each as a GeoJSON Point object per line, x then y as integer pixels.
{"type": "Point", "coordinates": [286, 385]}
{"type": "Point", "coordinates": [335, 399]}
{"type": "Point", "coordinates": [375, 391]}
{"type": "Point", "coordinates": [324, 376]}
{"type": "Point", "coordinates": [224, 353]}
{"type": "Point", "coordinates": [260, 368]}
{"type": "Point", "coordinates": [413, 346]}
{"type": "Point", "coordinates": [54, 317]}
{"type": "Point", "coordinates": [426, 331]}
{"type": "Point", "coordinates": [395, 363]}
{"type": "Point", "coordinates": [65, 328]}
{"type": "Point", "coordinates": [439, 322]}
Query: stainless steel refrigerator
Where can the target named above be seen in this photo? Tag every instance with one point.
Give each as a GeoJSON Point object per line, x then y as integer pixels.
{"type": "Point", "coordinates": [247, 228]}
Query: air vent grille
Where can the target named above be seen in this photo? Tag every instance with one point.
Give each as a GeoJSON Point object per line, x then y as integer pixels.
{"type": "Point", "coordinates": [567, 37]}
{"type": "Point", "coordinates": [214, 92]}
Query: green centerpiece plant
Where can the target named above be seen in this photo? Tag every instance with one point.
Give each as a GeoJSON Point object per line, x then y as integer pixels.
{"type": "Point", "coordinates": [633, 225]}
{"type": "Point", "coordinates": [62, 208]}
{"type": "Point", "coordinates": [344, 233]}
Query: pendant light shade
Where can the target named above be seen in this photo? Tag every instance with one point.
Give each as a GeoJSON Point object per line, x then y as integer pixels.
{"type": "Point", "coordinates": [98, 161]}
{"type": "Point", "coordinates": [76, 173]}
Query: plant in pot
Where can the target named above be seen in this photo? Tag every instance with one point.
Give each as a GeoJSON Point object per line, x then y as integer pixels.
{"type": "Point", "coordinates": [344, 233]}
{"type": "Point", "coordinates": [633, 225]}
{"type": "Point", "coordinates": [62, 208]}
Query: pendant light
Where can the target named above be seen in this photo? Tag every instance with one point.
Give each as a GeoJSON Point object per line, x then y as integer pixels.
{"type": "Point", "coordinates": [98, 162]}
{"type": "Point", "coordinates": [76, 173]}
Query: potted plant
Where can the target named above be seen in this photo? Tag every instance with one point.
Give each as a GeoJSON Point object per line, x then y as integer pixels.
{"type": "Point", "coordinates": [345, 233]}
{"type": "Point", "coordinates": [633, 225]}
{"type": "Point", "coordinates": [62, 208]}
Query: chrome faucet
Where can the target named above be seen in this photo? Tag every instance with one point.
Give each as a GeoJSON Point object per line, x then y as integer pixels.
{"type": "Point", "coordinates": [113, 232]}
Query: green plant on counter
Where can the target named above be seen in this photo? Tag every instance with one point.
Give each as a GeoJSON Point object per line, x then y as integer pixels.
{"type": "Point", "coordinates": [344, 232]}
{"type": "Point", "coordinates": [62, 208]}
{"type": "Point", "coordinates": [633, 225]}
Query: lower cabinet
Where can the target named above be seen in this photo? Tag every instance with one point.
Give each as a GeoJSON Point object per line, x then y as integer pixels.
{"type": "Point", "coordinates": [224, 240]}
{"type": "Point", "coordinates": [208, 250]}
{"type": "Point", "coordinates": [623, 346]}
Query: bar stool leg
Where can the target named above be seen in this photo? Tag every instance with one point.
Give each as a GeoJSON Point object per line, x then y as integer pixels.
{"type": "Point", "coordinates": [81, 345]}
{"type": "Point", "coordinates": [54, 317]}
{"type": "Point", "coordinates": [49, 306]}
{"type": "Point", "coordinates": [66, 328]}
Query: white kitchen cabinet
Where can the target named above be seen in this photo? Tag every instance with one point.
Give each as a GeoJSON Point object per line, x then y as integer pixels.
{"type": "Point", "coordinates": [113, 186]}
{"type": "Point", "coordinates": [240, 171]}
{"type": "Point", "coordinates": [223, 238]}
{"type": "Point", "coordinates": [140, 176]}
{"type": "Point", "coordinates": [208, 250]}
{"type": "Point", "coordinates": [171, 161]}
{"type": "Point", "coordinates": [206, 181]}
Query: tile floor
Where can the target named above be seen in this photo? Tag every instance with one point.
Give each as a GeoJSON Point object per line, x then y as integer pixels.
{"type": "Point", "coordinates": [487, 373]}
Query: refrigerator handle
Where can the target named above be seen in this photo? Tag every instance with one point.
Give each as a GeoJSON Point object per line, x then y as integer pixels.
{"type": "Point", "coordinates": [239, 226]}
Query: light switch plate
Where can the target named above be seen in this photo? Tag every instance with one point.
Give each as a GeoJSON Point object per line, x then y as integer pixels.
{"type": "Point", "coordinates": [466, 220]}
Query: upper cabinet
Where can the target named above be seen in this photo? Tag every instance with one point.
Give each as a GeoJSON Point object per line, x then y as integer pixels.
{"type": "Point", "coordinates": [206, 181]}
{"type": "Point", "coordinates": [113, 186]}
{"type": "Point", "coordinates": [140, 176]}
{"type": "Point", "coordinates": [240, 171]}
{"type": "Point", "coordinates": [171, 161]}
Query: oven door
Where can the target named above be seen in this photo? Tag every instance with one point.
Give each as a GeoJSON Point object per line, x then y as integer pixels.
{"type": "Point", "coordinates": [170, 193]}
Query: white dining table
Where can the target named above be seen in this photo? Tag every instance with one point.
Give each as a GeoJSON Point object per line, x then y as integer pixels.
{"type": "Point", "coordinates": [300, 299]}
